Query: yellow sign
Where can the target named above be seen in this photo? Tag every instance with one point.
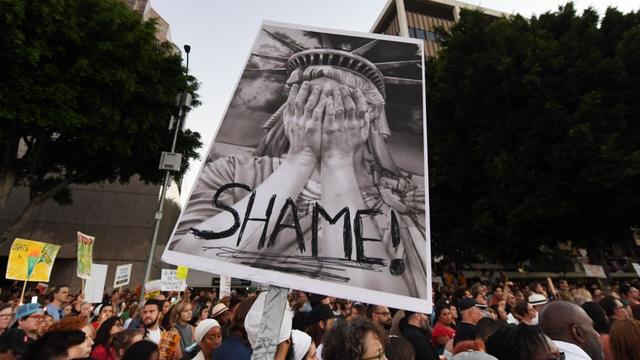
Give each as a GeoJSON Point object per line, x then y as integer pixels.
{"type": "Point", "coordinates": [31, 260]}
{"type": "Point", "coordinates": [182, 272]}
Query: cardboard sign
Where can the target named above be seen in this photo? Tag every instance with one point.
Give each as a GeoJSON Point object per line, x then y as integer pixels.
{"type": "Point", "coordinates": [596, 271]}
{"type": "Point", "coordinates": [122, 276]}
{"type": "Point", "coordinates": [170, 282]}
{"type": "Point", "coordinates": [636, 267]}
{"type": "Point", "coordinates": [272, 205]}
{"type": "Point", "coordinates": [85, 255]}
{"type": "Point", "coordinates": [182, 272]}
{"type": "Point", "coordinates": [31, 260]}
{"type": "Point", "coordinates": [152, 289]}
{"type": "Point", "coordinates": [94, 287]}
{"type": "Point", "coordinates": [225, 286]}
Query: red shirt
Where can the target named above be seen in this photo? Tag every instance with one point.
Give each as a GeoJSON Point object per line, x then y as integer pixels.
{"type": "Point", "coordinates": [441, 330]}
{"type": "Point", "coordinates": [101, 353]}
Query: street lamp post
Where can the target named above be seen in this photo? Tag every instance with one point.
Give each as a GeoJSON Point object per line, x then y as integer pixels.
{"type": "Point", "coordinates": [183, 102]}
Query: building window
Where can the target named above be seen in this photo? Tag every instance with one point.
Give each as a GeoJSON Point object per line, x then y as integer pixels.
{"type": "Point", "coordinates": [412, 32]}
{"type": "Point", "coordinates": [431, 36]}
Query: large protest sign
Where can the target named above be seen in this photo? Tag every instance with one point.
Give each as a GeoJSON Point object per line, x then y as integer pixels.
{"type": "Point", "coordinates": [169, 281]}
{"type": "Point", "coordinates": [316, 179]}
{"type": "Point", "coordinates": [122, 276]}
{"type": "Point", "coordinates": [31, 260]}
{"type": "Point", "coordinates": [85, 255]}
{"type": "Point", "coordinates": [94, 288]}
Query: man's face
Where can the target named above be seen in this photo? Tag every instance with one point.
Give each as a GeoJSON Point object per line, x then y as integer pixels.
{"type": "Point", "coordinates": [592, 345]}
{"type": "Point", "coordinates": [85, 310]}
{"type": "Point", "coordinates": [498, 291]}
{"type": "Point", "coordinates": [621, 312]}
{"type": "Point", "coordinates": [150, 315]}
{"type": "Point", "coordinates": [62, 295]}
{"type": "Point", "coordinates": [382, 316]}
{"type": "Point", "coordinates": [634, 294]}
{"type": "Point", "coordinates": [372, 347]}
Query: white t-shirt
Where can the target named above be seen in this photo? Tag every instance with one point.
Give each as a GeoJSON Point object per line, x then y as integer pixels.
{"type": "Point", "coordinates": [319, 352]}
{"type": "Point", "coordinates": [571, 351]}
{"type": "Point", "coordinates": [154, 335]}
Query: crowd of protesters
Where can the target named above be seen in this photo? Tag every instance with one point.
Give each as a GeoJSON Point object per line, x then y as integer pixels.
{"type": "Point", "coordinates": [481, 320]}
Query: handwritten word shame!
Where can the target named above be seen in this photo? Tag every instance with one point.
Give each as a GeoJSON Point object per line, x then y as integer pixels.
{"type": "Point", "coordinates": [350, 223]}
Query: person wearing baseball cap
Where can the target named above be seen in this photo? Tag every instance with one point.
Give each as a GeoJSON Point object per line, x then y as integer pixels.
{"type": "Point", "coordinates": [320, 321]}
{"type": "Point", "coordinates": [208, 336]}
{"type": "Point", "coordinates": [471, 313]}
{"type": "Point", "coordinates": [28, 317]}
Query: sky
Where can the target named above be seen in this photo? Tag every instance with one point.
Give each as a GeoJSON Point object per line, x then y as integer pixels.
{"type": "Point", "coordinates": [221, 33]}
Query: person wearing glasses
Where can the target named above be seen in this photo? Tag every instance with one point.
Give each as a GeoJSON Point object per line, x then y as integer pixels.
{"type": "Point", "coordinates": [29, 317]}
{"type": "Point", "coordinates": [380, 315]}
{"type": "Point", "coordinates": [6, 314]}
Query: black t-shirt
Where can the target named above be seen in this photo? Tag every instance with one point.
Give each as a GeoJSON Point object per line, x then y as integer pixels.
{"type": "Point", "coordinates": [464, 331]}
{"type": "Point", "coordinates": [423, 348]}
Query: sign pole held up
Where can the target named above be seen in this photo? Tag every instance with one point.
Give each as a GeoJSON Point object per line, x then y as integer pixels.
{"type": "Point", "coordinates": [24, 287]}
{"type": "Point", "coordinates": [275, 305]}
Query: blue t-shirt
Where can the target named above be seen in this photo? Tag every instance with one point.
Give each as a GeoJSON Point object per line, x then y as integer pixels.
{"type": "Point", "coordinates": [232, 349]}
{"type": "Point", "coordinates": [54, 311]}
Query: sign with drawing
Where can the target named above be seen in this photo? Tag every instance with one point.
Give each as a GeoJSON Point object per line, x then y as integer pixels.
{"type": "Point", "coordinates": [317, 174]}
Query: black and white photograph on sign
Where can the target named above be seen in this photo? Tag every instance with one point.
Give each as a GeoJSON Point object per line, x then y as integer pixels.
{"type": "Point", "coordinates": [316, 177]}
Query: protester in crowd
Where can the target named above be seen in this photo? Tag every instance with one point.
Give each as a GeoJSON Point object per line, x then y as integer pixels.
{"type": "Point", "coordinates": [501, 313]}
{"type": "Point", "coordinates": [625, 339]}
{"type": "Point", "coordinates": [521, 342]}
{"type": "Point", "coordinates": [571, 329]}
{"type": "Point", "coordinates": [86, 310]}
{"type": "Point", "coordinates": [60, 299]}
{"type": "Point", "coordinates": [63, 344]}
{"type": "Point", "coordinates": [200, 314]}
{"type": "Point", "coordinates": [301, 348]}
{"type": "Point", "coordinates": [380, 315]}
{"type": "Point", "coordinates": [414, 331]}
{"type": "Point", "coordinates": [630, 294]}
{"type": "Point", "coordinates": [130, 312]}
{"type": "Point", "coordinates": [102, 349]}
{"type": "Point", "coordinates": [358, 309]}
{"type": "Point", "coordinates": [614, 309]}
{"type": "Point", "coordinates": [101, 313]}
{"type": "Point", "coordinates": [538, 301]}
{"type": "Point", "coordinates": [180, 316]}
{"type": "Point", "coordinates": [123, 340]}
{"type": "Point", "coordinates": [302, 302]}
{"type": "Point", "coordinates": [525, 313]}
{"type": "Point", "coordinates": [581, 295]}
{"type": "Point", "coordinates": [442, 331]}
{"type": "Point", "coordinates": [166, 307]}
{"type": "Point", "coordinates": [600, 324]}
{"type": "Point", "coordinates": [142, 350]}
{"type": "Point", "coordinates": [45, 322]}
{"type": "Point", "coordinates": [320, 320]}
{"type": "Point", "coordinates": [354, 340]}
{"type": "Point", "coordinates": [29, 317]}
{"type": "Point", "coordinates": [237, 346]}
{"type": "Point", "coordinates": [471, 313]}
{"type": "Point", "coordinates": [13, 344]}
{"type": "Point", "coordinates": [151, 320]}
{"type": "Point", "coordinates": [399, 348]}
{"type": "Point", "coordinates": [6, 315]}
{"type": "Point", "coordinates": [208, 335]}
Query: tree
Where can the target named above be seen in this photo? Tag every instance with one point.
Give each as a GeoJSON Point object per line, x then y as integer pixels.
{"type": "Point", "coordinates": [86, 95]}
{"type": "Point", "coordinates": [534, 133]}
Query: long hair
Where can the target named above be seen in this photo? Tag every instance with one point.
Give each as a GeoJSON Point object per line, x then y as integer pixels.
{"type": "Point", "coordinates": [624, 339]}
{"type": "Point", "coordinates": [237, 320]}
{"type": "Point", "coordinates": [104, 332]}
{"type": "Point", "coordinates": [177, 309]}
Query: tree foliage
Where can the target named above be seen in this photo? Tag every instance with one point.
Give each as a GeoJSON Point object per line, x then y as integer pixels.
{"type": "Point", "coordinates": [534, 133]}
{"type": "Point", "coordinates": [86, 95]}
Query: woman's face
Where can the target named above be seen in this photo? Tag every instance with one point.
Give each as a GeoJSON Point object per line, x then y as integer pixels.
{"type": "Point", "coordinates": [67, 310]}
{"type": "Point", "coordinates": [204, 313]}
{"type": "Point", "coordinates": [106, 311]}
{"type": "Point", "coordinates": [165, 307]}
{"type": "Point", "coordinates": [116, 328]}
{"type": "Point", "coordinates": [211, 340]}
{"type": "Point", "coordinates": [454, 312]}
{"type": "Point", "coordinates": [5, 318]}
{"type": "Point", "coordinates": [81, 351]}
{"type": "Point", "coordinates": [445, 316]}
{"type": "Point", "coordinates": [186, 313]}
{"type": "Point", "coordinates": [85, 310]}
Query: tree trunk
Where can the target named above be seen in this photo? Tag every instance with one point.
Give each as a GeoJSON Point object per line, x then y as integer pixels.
{"type": "Point", "coordinates": [30, 209]}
